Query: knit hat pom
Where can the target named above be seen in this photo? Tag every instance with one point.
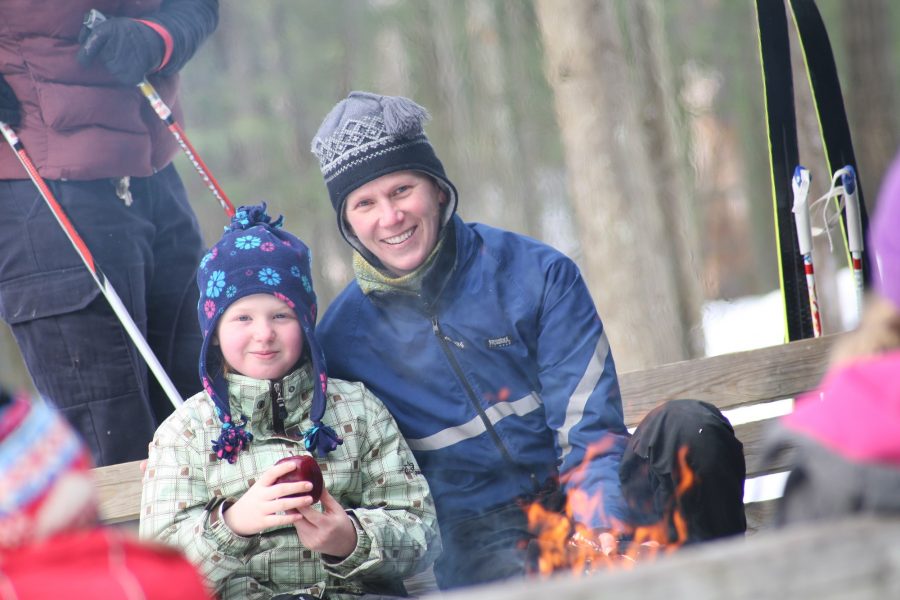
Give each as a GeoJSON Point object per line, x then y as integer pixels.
{"type": "Point", "coordinates": [250, 216]}
{"type": "Point", "coordinates": [402, 116]}
{"type": "Point", "coordinates": [321, 439]}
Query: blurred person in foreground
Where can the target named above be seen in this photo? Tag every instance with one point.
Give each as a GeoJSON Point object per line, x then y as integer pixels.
{"type": "Point", "coordinates": [70, 95]}
{"type": "Point", "coordinates": [51, 542]}
{"type": "Point", "coordinates": [845, 435]}
{"type": "Point", "coordinates": [488, 350]}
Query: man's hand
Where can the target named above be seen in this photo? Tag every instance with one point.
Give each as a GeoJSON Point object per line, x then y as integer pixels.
{"type": "Point", "coordinates": [601, 542]}
{"type": "Point", "coordinates": [10, 111]}
{"type": "Point", "coordinates": [129, 49]}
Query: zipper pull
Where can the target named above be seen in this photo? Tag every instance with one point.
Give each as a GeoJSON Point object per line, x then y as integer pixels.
{"type": "Point", "coordinates": [435, 326]}
{"type": "Point", "coordinates": [279, 401]}
{"type": "Point", "coordinates": [279, 410]}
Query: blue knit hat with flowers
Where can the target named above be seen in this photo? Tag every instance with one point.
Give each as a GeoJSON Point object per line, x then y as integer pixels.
{"type": "Point", "coordinates": [256, 256]}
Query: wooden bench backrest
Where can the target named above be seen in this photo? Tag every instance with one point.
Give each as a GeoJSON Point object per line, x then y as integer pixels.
{"type": "Point", "coordinates": [728, 381]}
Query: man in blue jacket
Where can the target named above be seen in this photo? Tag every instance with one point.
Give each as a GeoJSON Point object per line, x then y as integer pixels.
{"type": "Point", "coordinates": [488, 350]}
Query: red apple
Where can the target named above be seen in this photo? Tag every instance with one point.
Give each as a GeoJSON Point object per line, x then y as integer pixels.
{"type": "Point", "coordinates": [307, 469]}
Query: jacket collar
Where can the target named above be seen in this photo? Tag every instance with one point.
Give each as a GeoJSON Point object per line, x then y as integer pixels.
{"type": "Point", "coordinates": [256, 397]}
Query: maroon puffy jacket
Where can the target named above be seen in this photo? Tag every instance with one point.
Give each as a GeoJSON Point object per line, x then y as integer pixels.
{"type": "Point", "coordinates": [78, 122]}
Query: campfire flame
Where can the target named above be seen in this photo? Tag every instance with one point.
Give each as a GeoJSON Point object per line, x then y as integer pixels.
{"type": "Point", "coordinates": [564, 544]}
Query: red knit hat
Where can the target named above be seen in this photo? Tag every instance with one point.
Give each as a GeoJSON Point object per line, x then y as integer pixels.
{"type": "Point", "coordinates": [45, 473]}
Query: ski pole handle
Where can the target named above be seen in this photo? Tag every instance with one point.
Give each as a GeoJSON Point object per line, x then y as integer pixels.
{"type": "Point", "coordinates": [854, 220]}
{"type": "Point", "coordinates": [800, 184]}
{"type": "Point", "coordinates": [855, 242]}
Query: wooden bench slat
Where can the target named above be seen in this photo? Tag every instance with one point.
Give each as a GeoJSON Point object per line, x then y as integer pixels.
{"type": "Point", "coordinates": [730, 380]}
{"type": "Point", "coordinates": [760, 515]}
{"type": "Point", "coordinates": [119, 491]}
{"type": "Point", "coordinates": [753, 436]}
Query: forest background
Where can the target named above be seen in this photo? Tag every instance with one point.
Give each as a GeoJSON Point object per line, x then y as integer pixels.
{"type": "Point", "coordinates": [630, 134]}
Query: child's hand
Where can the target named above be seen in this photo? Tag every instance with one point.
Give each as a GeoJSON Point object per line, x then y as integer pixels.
{"type": "Point", "coordinates": [263, 505]}
{"type": "Point", "coordinates": [329, 532]}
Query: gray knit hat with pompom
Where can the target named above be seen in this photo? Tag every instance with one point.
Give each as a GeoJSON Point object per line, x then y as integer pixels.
{"type": "Point", "coordinates": [368, 135]}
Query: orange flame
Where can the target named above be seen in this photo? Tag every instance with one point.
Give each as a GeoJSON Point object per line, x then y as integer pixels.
{"type": "Point", "coordinates": [563, 543]}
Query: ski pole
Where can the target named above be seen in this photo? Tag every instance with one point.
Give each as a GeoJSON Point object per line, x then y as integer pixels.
{"type": "Point", "coordinates": [800, 184]}
{"type": "Point", "coordinates": [105, 287]}
{"type": "Point", "coordinates": [854, 230]}
{"type": "Point", "coordinates": [163, 111]}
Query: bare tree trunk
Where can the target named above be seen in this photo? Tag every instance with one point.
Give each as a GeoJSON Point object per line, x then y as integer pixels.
{"type": "Point", "coordinates": [451, 86]}
{"type": "Point", "coordinates": [393, 72]}
{"type": "Point", "coordinates": [869, 89]}
{"type": "Point", "coordinates": [627, 263]}
{"type": "Point", "coordinates": [501, 186]}
{"type": "Point", "coordinates": [659, 117]}
{"type": "Point", "coordinates": [524, 91]}
{"type": "Point", "coordinates": [393, 76]}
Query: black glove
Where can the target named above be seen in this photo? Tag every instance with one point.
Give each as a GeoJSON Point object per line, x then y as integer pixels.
{"type": "Point", "coordinates": [130, 50]}
{"type": "Point", "coordinates": [10, 112]}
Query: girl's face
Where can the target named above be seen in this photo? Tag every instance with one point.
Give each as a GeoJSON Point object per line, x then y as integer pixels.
{"type": "Point", "coordinates": [260, 337]}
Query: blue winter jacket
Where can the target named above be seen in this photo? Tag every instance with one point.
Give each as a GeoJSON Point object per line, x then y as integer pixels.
{"type": "Point", "coordinates": [505, 330]}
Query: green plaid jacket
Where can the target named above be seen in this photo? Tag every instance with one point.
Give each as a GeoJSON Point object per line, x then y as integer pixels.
{"type": "Point", "coordinates": [373, 474]}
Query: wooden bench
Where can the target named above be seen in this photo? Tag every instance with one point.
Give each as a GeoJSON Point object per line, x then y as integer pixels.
{"type": "Point", "coordinates": [729, 381]}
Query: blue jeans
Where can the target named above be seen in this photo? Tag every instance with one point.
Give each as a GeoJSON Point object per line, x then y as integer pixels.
{"type": "Point", "coordinates": [490, 547]}
{"type": "Point", "coordinates": [76, 350]}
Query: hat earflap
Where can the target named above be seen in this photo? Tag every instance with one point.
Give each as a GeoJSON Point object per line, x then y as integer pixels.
{"type": "Point", "coordinates": [320, 439]}
{"type": "Point", "coordinates": [233, 437]}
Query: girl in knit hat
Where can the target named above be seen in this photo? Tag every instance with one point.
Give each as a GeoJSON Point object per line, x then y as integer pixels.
{"type": "Point", "coordinates": [211, 483]}
{"type": "Point", "coordinates": [845, 433]}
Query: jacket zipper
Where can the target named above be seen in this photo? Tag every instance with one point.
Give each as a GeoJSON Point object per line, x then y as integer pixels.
{"type": "Point", "coordinates": [470, 393]}
{"type": "Point", "coordinates": [279, 409]}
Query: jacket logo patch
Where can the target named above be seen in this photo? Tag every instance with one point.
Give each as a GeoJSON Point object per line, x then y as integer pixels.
{"type": "Point", "coordinates": [500, 342]}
